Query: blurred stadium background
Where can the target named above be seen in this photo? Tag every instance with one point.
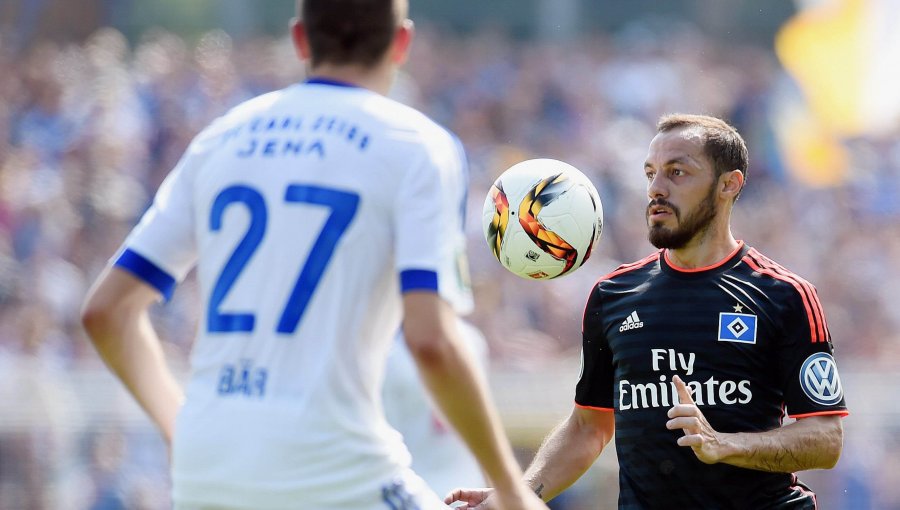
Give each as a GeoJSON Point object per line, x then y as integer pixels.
{"type": "Point", "coordinates": [99, 97]}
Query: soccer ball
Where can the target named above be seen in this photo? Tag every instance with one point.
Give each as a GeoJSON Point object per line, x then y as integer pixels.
{"type": "Point", "coordinates": [542, 218]}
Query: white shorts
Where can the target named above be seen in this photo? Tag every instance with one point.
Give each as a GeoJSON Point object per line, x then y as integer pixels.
{"type": "Point", "coordinates": [405, 492]}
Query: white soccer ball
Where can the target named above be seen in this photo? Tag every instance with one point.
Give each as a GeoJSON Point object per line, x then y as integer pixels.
{"type": "Point", "coordinates": [542, 218]}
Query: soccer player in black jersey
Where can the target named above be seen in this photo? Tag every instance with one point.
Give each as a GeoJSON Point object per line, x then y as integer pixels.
{"type": "Point", "coordinates": [693, 355]}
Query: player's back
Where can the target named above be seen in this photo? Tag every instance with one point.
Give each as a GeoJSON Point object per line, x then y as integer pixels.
{"type": "Point", "coordinates": [305, 204]}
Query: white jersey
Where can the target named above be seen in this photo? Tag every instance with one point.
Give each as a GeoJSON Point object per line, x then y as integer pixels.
{"type": "Point", "coordinates": [307, 211]}
{"type": "Point", "coordinates": [439, 455]}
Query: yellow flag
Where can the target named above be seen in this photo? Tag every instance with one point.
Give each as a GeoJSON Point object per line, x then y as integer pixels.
{"type": "Point", "coordinates": [845, 56]}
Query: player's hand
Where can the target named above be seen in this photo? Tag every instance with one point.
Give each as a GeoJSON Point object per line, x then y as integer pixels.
{"type": "Point", "coordinates": [489, 499]}
{"type": "Point", "coordinates": [472, 498]}
{"type": "Point", "coordinates": [698, 433]}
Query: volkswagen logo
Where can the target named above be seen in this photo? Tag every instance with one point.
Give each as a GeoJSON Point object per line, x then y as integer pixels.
{"type": "Point", "coordinates": [820, 381]}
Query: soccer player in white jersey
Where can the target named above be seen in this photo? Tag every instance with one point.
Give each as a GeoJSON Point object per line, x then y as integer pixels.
{"type": "Point", "coordinates": [438, 454]}
{"type": "Point", "coordinates": [317, 217]}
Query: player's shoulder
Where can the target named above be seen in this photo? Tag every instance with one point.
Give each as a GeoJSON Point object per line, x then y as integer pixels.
{"type": "Point", "coordinates": [413, 136]}
{"type": "Point", "coordinates": [782, 285]}
{"type": "Point", "coordinates": [400, 115]}
{"type": "Point", "coordinates": [636, 269]}
{"type": "Point", "coordinates": [779, 283]}
{"type": "Point", "coordinates": [406, 122]}
{"type": "Point", "coordinates": [770, 271]}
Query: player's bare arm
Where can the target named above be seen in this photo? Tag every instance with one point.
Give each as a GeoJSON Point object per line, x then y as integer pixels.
{"type": "Point", "coordinates": [569, 450]}
{"type": "Point", "coordinates": [809, 443]}
{"type": "Point", "coordinates": [566, 453]}
{"type": "Point", "coordinates": [115, 316]}
{"type": "Point", "coordinates": [429, 327]}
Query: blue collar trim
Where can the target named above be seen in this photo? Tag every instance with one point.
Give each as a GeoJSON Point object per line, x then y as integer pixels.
{"type": "Point", "coordinates": [328, 81]}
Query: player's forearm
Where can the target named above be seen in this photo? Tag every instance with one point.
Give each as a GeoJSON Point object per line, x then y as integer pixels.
{"type": "Point", "coordinates": [128, 344]}
{"type": "Point", "coordinates": [461, 394]}
{"type": "Point", "coordinates": [567, 452]}
{"type": "Point", "coordinates": [809, 443]}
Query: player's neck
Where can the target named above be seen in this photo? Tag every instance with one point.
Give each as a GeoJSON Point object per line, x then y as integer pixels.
{"type": "Point", "coordinates": [705, 250]}
{"type": "Point", "coordinates": [377, 79]}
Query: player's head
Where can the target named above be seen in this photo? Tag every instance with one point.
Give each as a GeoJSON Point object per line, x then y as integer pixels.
{"type": "Point", "coordinates": [356, 33]}
{"type": "Point", "coordinates": [696, 168]}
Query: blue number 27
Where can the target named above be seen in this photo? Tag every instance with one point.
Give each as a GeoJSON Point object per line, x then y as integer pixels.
{"type": "Point", "coordinates": [343, 207]}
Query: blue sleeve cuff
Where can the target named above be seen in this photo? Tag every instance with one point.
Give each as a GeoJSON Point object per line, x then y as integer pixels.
{"type": "Point", "coordinates": [418, 279]}
{"type": "Point", "coordinates": [139, 266]}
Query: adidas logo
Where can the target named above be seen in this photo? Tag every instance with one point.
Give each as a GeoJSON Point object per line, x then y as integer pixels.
{"type": "Point", "coordinates": [631, 322]}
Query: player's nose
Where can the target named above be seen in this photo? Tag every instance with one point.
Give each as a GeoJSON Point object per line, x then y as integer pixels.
{"type": "Point", "coordinates": [656, 188]}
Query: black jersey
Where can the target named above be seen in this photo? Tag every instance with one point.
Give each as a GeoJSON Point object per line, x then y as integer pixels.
{"type": "Point", "coordinates": [747, 336]}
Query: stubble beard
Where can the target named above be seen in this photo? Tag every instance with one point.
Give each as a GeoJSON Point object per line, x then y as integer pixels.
{"type": "Point", "coordinates": [695, 224]}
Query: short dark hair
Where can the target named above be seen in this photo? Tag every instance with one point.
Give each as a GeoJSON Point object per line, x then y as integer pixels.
{"type": "Point", "coordinates": [354, 32]}
{"type": "Point", "coordinates": [722, 143]}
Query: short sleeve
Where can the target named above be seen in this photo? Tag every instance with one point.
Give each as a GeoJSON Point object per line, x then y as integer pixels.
{"type": "Point", "coordinates": [430, 242]}
{"type": "Point", "coordinates": [595, 384]}
{"type": "Point", "coordinates": [807, 367]}
{"type": "Point", "coordinates": [161, 249]}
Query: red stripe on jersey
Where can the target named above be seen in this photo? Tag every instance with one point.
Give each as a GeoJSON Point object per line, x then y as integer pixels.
{"type": "Point", "coordinates": [810, 297]}
{"type": "Point", "coordinates": [593, 408]}
{"type": "Point", "coordinates": [771, 272]}
{"type": "Point", "coordinates": [763, 268]}
{"type": "Point", "coordinates": [811, 291]}
{"type": "Point", "coordinates": [815, 298]}
{"type": "Point", "coordinates": [624, 268]}
{"type": "Point", "coordinates": [839, 412]}
{"type": "Point", "coordinates": [704, 268]}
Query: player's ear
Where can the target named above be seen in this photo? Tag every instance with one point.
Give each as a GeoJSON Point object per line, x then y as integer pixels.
{"type": "Point", "coordinates": [730, 183]}
{"type": "Point", "coordinates": [301, 42]}
{"type": "Point", "coordinates": [402, 42]}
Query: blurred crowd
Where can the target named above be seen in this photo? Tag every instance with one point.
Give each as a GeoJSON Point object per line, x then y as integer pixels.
{"type": "Point", "coordinates": [88, 130]}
